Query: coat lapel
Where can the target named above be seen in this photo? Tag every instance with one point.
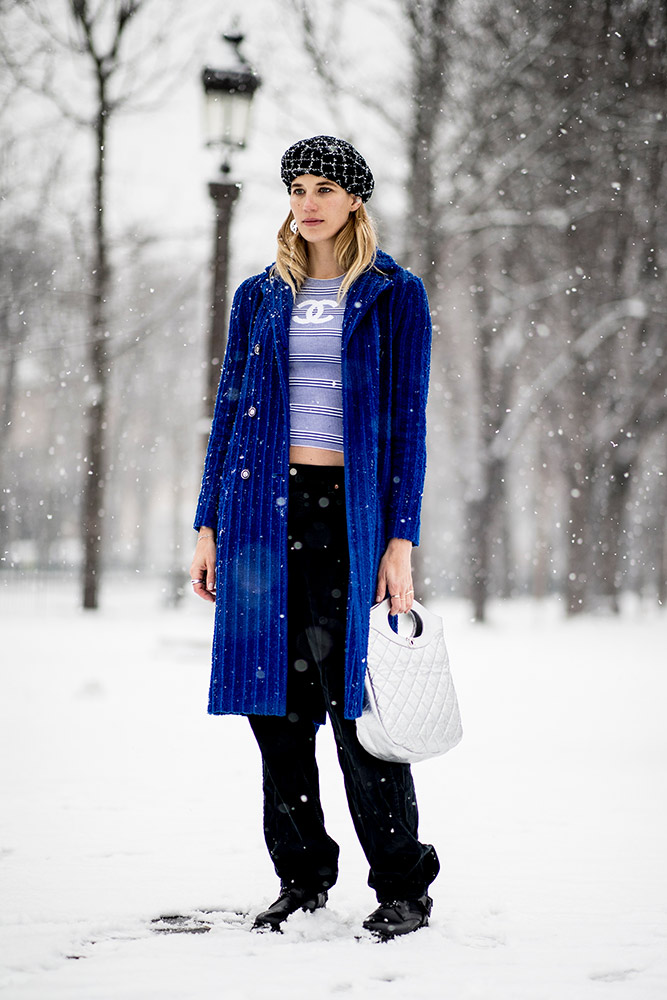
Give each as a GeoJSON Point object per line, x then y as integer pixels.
{"type": "Point", "coordinates": [280, 302]}
{"type": "Point", "coordinates": [360, 298]}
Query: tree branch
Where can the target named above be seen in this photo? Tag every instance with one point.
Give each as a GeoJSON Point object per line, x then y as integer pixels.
{"type": "Point", "coordinates": [526, 407]}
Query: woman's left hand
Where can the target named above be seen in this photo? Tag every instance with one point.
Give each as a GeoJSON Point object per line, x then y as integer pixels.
{"type": "Point", "coordinates": [395, 576]}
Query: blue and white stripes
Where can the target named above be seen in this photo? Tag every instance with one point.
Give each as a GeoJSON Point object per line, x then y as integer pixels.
{"type": "Point", "coordinates": [315, 380]}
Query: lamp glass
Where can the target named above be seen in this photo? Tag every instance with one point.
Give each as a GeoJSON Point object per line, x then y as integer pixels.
{"type": "Point", "coordinates": [227, 116]}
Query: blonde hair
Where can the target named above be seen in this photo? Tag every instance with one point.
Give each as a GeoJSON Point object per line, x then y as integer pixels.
{"type": "Point", "coordinates": [355, 250]}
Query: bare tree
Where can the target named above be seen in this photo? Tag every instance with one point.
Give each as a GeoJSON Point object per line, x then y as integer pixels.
{"type": "Point", "coordinates": [430, 27]}
{"type": "Point", "coordinates": [103, 57]}
{"type": "Point", "coordinates": [115, 64]}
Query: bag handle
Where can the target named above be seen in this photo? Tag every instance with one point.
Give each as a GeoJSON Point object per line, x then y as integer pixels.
{"type": "Point", "coordinates": [423, 623]}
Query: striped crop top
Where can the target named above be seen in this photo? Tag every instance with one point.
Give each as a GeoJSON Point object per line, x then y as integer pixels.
{"type": "Point", "coordinates": [315, 383]}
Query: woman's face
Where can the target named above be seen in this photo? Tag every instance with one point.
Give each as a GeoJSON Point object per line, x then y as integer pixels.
{"type": "Point", "coordinates": [321, 207]}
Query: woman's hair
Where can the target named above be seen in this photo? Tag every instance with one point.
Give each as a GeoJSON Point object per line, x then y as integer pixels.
{"type": "Point", "coordinates": [355, 249]}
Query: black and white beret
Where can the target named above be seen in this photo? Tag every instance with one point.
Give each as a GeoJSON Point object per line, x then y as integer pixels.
{"type": "Point", "coordinates": [326, 156]}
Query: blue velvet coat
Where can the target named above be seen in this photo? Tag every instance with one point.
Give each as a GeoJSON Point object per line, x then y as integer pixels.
{"type": "Point", "coordinates": [385, 367]}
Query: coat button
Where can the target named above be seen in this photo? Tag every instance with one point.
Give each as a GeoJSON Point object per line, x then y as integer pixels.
{"type": "Point", "coordinates": [256, 349]}
{"type": "Point", "coordinates": [245, 473]}
{"type": "Point", "coordinates": [252, 411]}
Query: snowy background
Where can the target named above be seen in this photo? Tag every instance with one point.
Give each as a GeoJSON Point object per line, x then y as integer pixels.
{"type": "Point", "coordinates": [122, 802]}
{"type": "Point", "coordinates": [520, 156]}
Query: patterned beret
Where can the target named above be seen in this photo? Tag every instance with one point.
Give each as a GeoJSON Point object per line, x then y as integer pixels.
{"type": "Point", "coordinates": [326, 156]}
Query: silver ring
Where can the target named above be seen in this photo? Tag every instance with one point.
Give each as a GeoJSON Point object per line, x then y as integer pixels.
{"type": "Point", "coordinates": [394, 596]}
{"type": "Point", "coordinates": [196, 581]}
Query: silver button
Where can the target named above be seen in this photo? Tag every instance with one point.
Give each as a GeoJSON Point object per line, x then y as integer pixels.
{"type": "Point", "coordinates": [252, 411]}
{"type": "Point", "coordinates": [245, 473]}
{"type": "Point", "coordinates": [256, 349]}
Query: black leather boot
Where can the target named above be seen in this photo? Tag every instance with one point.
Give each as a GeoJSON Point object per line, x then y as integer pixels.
{"type": "Point", "coordinates": [400, 916]}
{"type": "Point", "coordinates": [289, 901]}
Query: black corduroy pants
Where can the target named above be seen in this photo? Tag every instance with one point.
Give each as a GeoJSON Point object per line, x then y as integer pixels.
{"type": "Point", "coordinates": [380, 794]}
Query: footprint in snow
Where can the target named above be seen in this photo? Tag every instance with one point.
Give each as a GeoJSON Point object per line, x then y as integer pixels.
{"type": "Point", "coordinates": [615, 976]}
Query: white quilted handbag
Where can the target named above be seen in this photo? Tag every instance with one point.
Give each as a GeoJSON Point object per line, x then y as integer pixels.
{"type": "Point", "coordinates": [411, 711]}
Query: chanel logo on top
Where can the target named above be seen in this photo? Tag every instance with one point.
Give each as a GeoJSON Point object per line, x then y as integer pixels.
{"type": "Point", "coordinates": [314, 311]}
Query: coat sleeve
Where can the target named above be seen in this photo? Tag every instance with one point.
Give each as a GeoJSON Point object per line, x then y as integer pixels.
{"type": "Point", "coordinates": [411, 354]}
{"type": "Point", "coordinates": [226, 404]}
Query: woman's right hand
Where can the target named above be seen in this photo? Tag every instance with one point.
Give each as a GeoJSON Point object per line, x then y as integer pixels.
{"type": "Point", "coordinates": [202, 570]}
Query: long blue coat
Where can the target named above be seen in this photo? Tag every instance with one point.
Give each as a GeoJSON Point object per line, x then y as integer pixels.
{"type": "Point", "coordinates": [385, 367]}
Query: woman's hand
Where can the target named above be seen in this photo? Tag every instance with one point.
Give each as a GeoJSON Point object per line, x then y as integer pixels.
{"type": "Point", "coordinates": [395, 575]}
{"type": "Point", "coordinates": [202, 570]}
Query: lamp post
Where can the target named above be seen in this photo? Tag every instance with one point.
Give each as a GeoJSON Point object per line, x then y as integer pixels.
{"type": "Point", "coordinates": [228, 93]}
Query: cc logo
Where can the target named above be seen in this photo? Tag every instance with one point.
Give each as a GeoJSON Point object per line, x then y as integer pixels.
{"type": "Point", "coordinates": [314, 311]}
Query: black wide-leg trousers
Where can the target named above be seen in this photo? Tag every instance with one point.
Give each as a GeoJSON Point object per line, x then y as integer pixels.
{"type": "Point", "coordinates": [380, 794]}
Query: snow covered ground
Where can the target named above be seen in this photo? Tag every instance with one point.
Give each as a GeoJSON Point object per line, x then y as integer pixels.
{"type": "Point", "coordinates": [122, 801]}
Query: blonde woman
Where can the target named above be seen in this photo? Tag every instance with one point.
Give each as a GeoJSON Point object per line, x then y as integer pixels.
{"type": "Point", "coordinates": [309, 508]}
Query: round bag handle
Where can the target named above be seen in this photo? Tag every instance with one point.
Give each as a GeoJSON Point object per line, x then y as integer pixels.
{"type": "Point", "coordinates": [416, 622]}
{"type": "Point", "coordinates": [423, 622]}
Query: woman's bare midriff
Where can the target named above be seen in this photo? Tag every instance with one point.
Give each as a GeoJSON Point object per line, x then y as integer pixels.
{"type": "Point", "coordinates": [298, 455]}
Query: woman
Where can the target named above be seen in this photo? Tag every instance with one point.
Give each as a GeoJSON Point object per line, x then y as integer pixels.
{"type": "Point", "coordinates": [308, 511]}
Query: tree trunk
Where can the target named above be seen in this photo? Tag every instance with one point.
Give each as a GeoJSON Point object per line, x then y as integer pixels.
{"type": "Point", "coordinates": [98, 373]}
{"type": "Point", "coordinates": [478, 555]}
{"type": "Point", "coordinates": [577, 583]}
{"type": "Point", "coordinates": [543, 545]}
{"type": "Point", "coordinates": [429, 22]}
{"type": "Point", "coordinates": [611, 570]}
{"type": "Point", "coordinates": [661, 542]}
{"type": "Point", "coordinates": [6, 418]}
{"type": "Point", "coordinates": [481, 516]}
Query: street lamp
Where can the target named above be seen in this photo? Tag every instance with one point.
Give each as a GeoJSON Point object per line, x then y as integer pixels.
{"type": "Point", "coordinates": [228, 92]}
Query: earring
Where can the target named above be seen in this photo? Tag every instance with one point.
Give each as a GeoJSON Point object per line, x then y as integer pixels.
{"type": "Point", "coordinates": [293, 226]}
